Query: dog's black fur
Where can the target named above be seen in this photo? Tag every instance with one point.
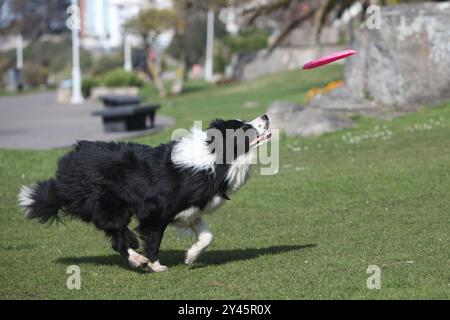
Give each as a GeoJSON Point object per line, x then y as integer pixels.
{"type": "Point", "coordinates": [107, 183]}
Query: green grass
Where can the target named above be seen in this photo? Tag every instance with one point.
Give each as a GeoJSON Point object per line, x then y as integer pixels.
{"type": "Point", "coordinates": [309, 232]}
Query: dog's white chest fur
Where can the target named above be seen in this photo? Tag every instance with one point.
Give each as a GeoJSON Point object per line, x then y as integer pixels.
{"type": "Point", "coordinates": [189, 215]}
{"type": "Point", "coordinates": [192, 152]}
{"type": "Point", "coordinates": [237, 176]}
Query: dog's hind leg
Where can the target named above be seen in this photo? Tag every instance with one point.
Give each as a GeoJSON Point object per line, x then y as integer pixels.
{"type": "Point", "coordinates": [204, 239]}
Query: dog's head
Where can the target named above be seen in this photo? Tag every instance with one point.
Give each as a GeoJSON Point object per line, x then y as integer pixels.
{"type": "Point", "coordinates": [229, 139]}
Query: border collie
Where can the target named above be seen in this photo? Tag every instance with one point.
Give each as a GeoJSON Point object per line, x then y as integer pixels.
{"type": "Point", "coordinates": [174, 183]}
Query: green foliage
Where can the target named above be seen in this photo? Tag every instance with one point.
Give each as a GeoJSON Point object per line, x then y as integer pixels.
{"type": "Point", "coordinates": [55, 55]}
{"type": "Point", "coordinates": [151, 22]}
{"type": "Point", "coordinates": [87, 84]}
{"type": "Point", "coordinates": [106, 63]}
{"type": "Point", "coordinates": [221, 56]}
{"type": "Point", "coordinates": [121, 78]}
{"type": "Point", "coordinates": [250, 39]}
{"type": "Point", "coordinates": [42, 57]}
{"type": "Point", "coordinates": [247, 40]}
{"type": "Point", "coordinates": [194, 40]}
{"type": "Point", "coordinates": [112, 79]}
{"type": "Point", "coordinates": [5, 64]}
{"type": "Point", "coordinates": [34, 74]}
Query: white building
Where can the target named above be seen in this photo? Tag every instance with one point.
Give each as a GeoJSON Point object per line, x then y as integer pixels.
{"type": "Point", "coordinates": [102, 20]}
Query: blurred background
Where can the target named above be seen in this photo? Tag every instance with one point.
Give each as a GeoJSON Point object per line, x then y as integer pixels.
{"type": "Point", "coordinates": [151, 51]}
{"type": "Point", "coordinates": [168, 38]}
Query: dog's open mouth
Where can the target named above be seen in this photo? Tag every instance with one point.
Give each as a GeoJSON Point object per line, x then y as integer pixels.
{"type": "Point", "coordinates": [260, 138]}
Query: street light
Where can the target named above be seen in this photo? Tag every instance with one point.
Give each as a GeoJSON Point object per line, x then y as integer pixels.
{"type": "Point", "coordinates": [19, 62]}
{"type": "Point", "coordinates": [73, 23]}
{"type": "Point", "coordinates": [128, 65]}
{"type": "Point", "coordinates": [19, 52]}
{"type": "Point", "coordinates": [209, 46]}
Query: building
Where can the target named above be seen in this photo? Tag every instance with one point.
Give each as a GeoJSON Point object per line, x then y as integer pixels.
{"type": "Point", "coordinates": [102, 20]}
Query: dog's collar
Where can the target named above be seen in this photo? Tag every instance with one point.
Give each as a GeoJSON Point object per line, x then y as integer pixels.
{"type": "Point", "coordinates": [224, 195]}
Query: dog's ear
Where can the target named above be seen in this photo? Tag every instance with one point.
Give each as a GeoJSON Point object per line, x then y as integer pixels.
{"type": "Point", "coordinates": [218, 124]}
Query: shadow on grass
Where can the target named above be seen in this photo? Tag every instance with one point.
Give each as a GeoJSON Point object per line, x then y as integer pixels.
{"type": "Point", "coordinates": [195, 88]}
{"type": "Point", "coordinates": [175, 257]}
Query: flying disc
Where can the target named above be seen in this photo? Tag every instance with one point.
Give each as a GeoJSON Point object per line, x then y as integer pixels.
{"type": "Point", "coordinates": [328, 59]}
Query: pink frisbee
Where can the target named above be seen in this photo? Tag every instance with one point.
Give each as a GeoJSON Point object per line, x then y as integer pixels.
{"type": "Point", "coordinates": [328, 59]}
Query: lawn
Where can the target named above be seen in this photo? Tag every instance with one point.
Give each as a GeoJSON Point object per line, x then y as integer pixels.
{"type": "Point", "coordinates": [377, 194]}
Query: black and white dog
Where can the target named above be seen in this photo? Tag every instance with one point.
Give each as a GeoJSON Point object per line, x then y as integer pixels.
{"type": "Point", "coordinates": [174, 183]}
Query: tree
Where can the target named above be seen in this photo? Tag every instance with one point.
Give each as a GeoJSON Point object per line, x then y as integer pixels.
{"type": "Point", "coordinates": [149, 24]}
{"type": "Point", "coordinates": [189, 47]}
{"type": "Point", "coordinates": [292, 12]}
{"type": "Point", "coordinates": [189, 14]}
{"type": "Point", "coordinates": [296, 12]}
{"type": "Point", "coordinates": [33, 18]}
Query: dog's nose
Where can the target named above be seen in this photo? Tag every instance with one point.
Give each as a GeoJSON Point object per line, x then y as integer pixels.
{"type": "Point", "coordinates": [266, 119]}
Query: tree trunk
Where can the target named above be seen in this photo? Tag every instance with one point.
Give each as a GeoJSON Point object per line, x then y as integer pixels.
{"type": "Point", "coordinates": [154, 72]}
{"type": "Point", "coordinates": [153, 69]}
{"type": "Point", "coordinates": [178, 84]}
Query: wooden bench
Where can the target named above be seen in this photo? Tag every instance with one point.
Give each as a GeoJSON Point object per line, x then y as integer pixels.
{"type": "Point", "coordinates": [128, 118]}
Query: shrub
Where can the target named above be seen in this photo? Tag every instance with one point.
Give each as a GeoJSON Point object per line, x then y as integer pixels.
{"type": "Point", "coordinates": [34, 74]}
{"type": "Point", "coordinates": [106, 63]}
{"type": "Point", "coordinates": [221, 57]}
{"type": "Point", "coordinates": [87, 85]}
{"type": "Point", "coordinates": [122, 78]}
{"type": "Point", "coordinates": [251, 39]}
{"type": "Point", "coordinates": [194, 39]}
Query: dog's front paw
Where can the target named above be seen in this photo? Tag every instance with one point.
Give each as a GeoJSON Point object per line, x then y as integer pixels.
{"type": "Point", "coordinates": [136, 260]}
{"type": "Point", "coordinates": [191, 256]}
{"type": "Point", "coordinates": [157, 267]}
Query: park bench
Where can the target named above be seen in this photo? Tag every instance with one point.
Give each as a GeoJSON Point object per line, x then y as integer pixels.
{"type": "Point", "coordinates": [120, 101]}
{"type": "Point", "coordinates": [122, 113]}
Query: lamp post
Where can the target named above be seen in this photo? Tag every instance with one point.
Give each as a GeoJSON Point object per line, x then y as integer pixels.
{"type": "Point", "coordinates": [19, 62]}
{"type": "Point", "coordinates": [128, 65]}
{"type": "Point", "coordinates": [19, 52]}
{"type": "Point", "coordinates": [209, 46]}
{"type": "Point", "coordinates": [73, 23]}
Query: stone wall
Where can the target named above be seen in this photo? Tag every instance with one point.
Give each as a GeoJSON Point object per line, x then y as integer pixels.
{"type": "Point", "coordinates": [305, 35]}
{"type": "Point", "coordinates": [299, 47]}
{"type": "Point", "coordinates": [407, 62]}
{"type": "Point", "coordinates": [397, 69]}
{"type": "Point", "coordinates": [250, 66]}
{"type": "Point", "coordinates": [98, 92]}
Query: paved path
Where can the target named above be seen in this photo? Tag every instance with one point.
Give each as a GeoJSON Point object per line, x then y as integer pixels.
{"type": "Point", "coordinates": [37, 121]}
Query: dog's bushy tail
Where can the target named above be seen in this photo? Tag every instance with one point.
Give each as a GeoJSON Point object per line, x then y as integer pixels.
{"type": "Point", "coordinates": [40, 201]}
